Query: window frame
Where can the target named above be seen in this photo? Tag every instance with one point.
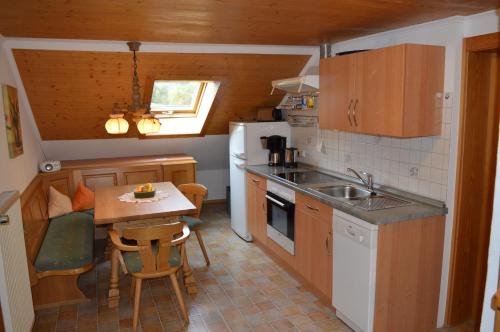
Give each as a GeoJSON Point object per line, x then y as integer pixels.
{"type": "Point", "coordinates": [180, 113]}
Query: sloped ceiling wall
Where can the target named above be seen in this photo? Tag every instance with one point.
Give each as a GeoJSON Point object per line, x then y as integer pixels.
{"type": "Point", "coordinates": [71, 93]}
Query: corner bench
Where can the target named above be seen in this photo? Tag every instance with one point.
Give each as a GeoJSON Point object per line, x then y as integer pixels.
{"type": "Point", "coordinates": [58, 250]}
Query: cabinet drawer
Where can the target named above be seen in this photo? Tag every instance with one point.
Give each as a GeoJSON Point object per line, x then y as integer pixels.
{"type": "Point", "coordinates": [259, 181]}
{"type": "Point", "coordinates": [313, 207]}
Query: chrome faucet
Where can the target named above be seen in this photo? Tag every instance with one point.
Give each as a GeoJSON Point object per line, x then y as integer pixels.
{"type": "Point", "coordinates": [369, 178]}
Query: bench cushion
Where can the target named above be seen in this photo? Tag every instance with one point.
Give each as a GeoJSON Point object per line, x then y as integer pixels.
{"type": "Point", "coordinates": [133, 260]}
{"type": "Point", "coordinates": [68, 243]}
{"type": "Point", "coordinates": [191, 222]}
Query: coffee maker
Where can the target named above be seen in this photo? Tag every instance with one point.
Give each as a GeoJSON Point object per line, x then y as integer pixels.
{"type": "Point", "coordinates": [276, 145]}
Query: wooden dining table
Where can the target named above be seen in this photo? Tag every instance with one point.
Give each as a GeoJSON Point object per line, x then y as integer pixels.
{"type": "Point", "coordinates": [117, 214]}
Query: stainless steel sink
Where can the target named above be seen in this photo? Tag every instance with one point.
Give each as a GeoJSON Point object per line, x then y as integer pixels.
{"type": "Point", "coordinates": [344, 191]}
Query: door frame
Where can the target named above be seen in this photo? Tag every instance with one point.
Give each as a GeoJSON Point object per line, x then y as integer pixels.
{"type": "Point", "coordinates": [483, 43]}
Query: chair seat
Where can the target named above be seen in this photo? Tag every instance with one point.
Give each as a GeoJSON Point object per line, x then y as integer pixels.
{"type": "Point", "coordinates": [133, 260]}
{"type": "Point", "coordinates": [68, 243]}
{"type": "Point", "coordinates": [192, 222]}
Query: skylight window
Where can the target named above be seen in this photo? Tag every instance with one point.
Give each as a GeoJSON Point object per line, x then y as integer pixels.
{"type": "Point", "coordinates": [177, 98]}
{"type": "Point", "coordinates": [182, 106]}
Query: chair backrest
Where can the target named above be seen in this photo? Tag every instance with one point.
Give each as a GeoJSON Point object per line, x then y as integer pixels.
{"type": "Point", "coordinates": [154, 261]}
{"type": "Point", "coordinates": [196, 193]}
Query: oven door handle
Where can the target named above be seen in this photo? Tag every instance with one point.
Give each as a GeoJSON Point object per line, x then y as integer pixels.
{"type": "Point", "coordinates": [275, 201]}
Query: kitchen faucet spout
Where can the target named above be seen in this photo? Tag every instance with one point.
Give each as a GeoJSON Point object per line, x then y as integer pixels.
{"type": "Point", "coordinates": [369, 178]}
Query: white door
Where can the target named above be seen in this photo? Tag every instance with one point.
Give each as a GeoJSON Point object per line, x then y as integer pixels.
{"type": "Point", "coordinates": [238, 197]}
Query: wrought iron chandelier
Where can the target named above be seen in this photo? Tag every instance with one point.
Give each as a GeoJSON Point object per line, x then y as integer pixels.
{"type": "Point", "coordinates": [140, 113]}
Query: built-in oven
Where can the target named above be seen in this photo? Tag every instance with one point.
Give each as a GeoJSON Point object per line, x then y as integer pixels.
{"type": "Point", "coordinates": [281, 216]}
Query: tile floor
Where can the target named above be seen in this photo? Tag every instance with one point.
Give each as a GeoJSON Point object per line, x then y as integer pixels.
{"type": "Point", "coordinates": [242, 290]}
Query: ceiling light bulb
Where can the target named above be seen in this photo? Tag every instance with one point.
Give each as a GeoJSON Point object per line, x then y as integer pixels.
{"type": "Point", "coordinates": [116, 124]}
{"type": "Point", "coordinates": [148, 124]}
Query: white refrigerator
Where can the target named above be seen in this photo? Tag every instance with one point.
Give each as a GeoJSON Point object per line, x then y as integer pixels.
{"type": "Point", "coordinates": [245, 149]}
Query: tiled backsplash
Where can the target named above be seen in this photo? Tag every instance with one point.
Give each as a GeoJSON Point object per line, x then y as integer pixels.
{"type": "Point", "coordinates": [417, 165]}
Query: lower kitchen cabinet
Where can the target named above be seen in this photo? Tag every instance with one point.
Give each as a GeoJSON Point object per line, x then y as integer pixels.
{"type": "Point", "coordinates": [313, 243]}
{"type": "Point", "coordinates": [257, 207]}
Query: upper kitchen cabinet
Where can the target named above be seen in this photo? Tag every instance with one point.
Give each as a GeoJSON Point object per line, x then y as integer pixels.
{"type": "Point", "coordinates": [390, 91]}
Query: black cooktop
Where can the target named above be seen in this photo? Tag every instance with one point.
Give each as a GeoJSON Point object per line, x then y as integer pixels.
{"type": "Point", "coordinates": [306, 177]}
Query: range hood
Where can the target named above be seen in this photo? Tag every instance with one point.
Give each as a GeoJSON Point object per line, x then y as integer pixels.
{"type": "Point", "coordinates": [301, 84]}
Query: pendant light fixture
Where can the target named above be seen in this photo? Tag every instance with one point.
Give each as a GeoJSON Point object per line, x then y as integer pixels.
{"type": "Point", "coordinates": [141, 114]}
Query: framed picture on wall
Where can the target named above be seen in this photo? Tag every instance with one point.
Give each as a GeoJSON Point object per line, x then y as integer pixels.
{"type": "Point", "coordinates": [12, 121]}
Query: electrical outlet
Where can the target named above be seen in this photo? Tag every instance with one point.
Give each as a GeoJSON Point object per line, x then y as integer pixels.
{"type": "Point", "coordinates": [302, 153]}
{"type": "Point", "coordinates": [308, 140]}
{"type": "Point", "coordinates": [347, 158]}
{"type": "Point", "coordinates": [414, 171]}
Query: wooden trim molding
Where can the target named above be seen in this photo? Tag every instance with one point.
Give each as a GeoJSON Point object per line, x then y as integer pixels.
{"type": "Point", "coordinates": [69, 272]}
{"type": "Point", "coordinates": [487, 42]}
{"type": "Point", "coordinates": [7, 199]}
{"type": "Point", "coordinates": [466, 257]}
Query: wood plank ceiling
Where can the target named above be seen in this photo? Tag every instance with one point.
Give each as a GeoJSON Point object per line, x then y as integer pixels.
{"type": "Point", "coordinates": [290, 22]}
{"type": "Point", "coordinates": [71, 93]}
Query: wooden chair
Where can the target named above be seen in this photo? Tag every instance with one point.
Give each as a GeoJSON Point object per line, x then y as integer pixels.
{"type": "Point", "coordinates": [159, 252]}
{"type": "Point", "coordinates": [196, 193]}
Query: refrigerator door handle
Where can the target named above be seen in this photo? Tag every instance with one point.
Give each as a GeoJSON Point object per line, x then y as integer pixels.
{"type": "Point", "coordinates": [240, 155]}
{"type": "Point", "coordinates": [240, 165]}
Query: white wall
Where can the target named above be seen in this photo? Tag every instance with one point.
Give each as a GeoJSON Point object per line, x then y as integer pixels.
{"type": "Point", "coordinates": [17, 173]}
{"type": "Point", "coordinates": [391, 159]}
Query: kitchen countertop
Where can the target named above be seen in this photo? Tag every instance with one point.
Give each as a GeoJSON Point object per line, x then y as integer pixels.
{"type": "Point", "coordinates": [421, 207]}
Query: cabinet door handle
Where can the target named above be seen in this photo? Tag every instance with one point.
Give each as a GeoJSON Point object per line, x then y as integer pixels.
{"type": "Point", "coordinates": [328, 245]}
{"type": "Point", "coordinates": [255, 181]}
{"type": "Point", "coordinates": [496, 301]}
{"type": "Point", "coordinates": [349, 112]}
{"type": "Point", "coordinates": [354, 113]}
{"type": "Point", "coordinates": [311, 207]}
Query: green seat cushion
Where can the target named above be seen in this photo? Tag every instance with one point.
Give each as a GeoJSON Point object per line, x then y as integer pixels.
{"type": "Point", "coordinates": [133, 260]}
{"type": "Point", "coordinates": [192, 222]}
{"type": "Point", "coordinates": [68, 243]}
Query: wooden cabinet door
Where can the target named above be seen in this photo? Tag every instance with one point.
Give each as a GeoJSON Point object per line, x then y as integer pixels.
{"type": "Point", "coordinates": [303, 252]}
{"type": "Point", "coordinates": [179, 174]}
{"type": "Point", "coordinates": [379, 91]}
{"type": "Point", "coordinates": [313, 251]}
{"type": "Point", "coordinates": [313, 243]}
{"type": "Point", "coordinates": [96, 178]}
{"type": "Point", "coordinates": [141, 174]}
{"type": "Point", "coordinates": [337, 88]}
{"type": "Point", "coordinates": [321, 256]}
{"type": "Point", "coordinates": [256, 210]}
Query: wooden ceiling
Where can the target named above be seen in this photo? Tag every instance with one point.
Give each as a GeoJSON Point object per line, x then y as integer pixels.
{"type": "Point", "coordinates": [71, 93]}
{"type": "Point", "coordinates": [290, 22]}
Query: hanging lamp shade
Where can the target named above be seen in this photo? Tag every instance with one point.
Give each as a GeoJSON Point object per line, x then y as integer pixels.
{"type": "Point", "coordinates": [116, 124]}
{"type": "Point", "coordinates": [148, 124]}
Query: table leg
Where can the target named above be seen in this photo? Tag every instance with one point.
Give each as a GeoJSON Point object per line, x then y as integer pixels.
{"type": "Point", "coordinates": [109, 245]}
{"type": "Point", "coordinates": [189, 281]}
{"type": "Point", "coordinates": [114, 291]}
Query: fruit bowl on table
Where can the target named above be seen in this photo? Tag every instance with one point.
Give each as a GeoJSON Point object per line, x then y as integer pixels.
{"type": "Point", "coordinates": [144, 194]}
{"type": "Point", "coordinates": [144, 191]}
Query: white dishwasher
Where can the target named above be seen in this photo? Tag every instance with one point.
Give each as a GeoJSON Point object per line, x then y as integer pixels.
{"type": "Point", "coordinates": [354, 270]}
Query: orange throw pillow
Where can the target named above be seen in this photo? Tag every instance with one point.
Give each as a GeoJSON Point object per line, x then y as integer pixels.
{"type": "Point", "coordinates": [83, 198]}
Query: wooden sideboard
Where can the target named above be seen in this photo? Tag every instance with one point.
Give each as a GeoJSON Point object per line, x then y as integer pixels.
{"type": "Point", "coordinates": [94, 173]}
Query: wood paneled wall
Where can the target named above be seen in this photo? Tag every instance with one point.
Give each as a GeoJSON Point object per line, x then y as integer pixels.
{"type": "Point", "coordinates": [291, 22]}
{"type": "Point", "coordinates": [71, 93]}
